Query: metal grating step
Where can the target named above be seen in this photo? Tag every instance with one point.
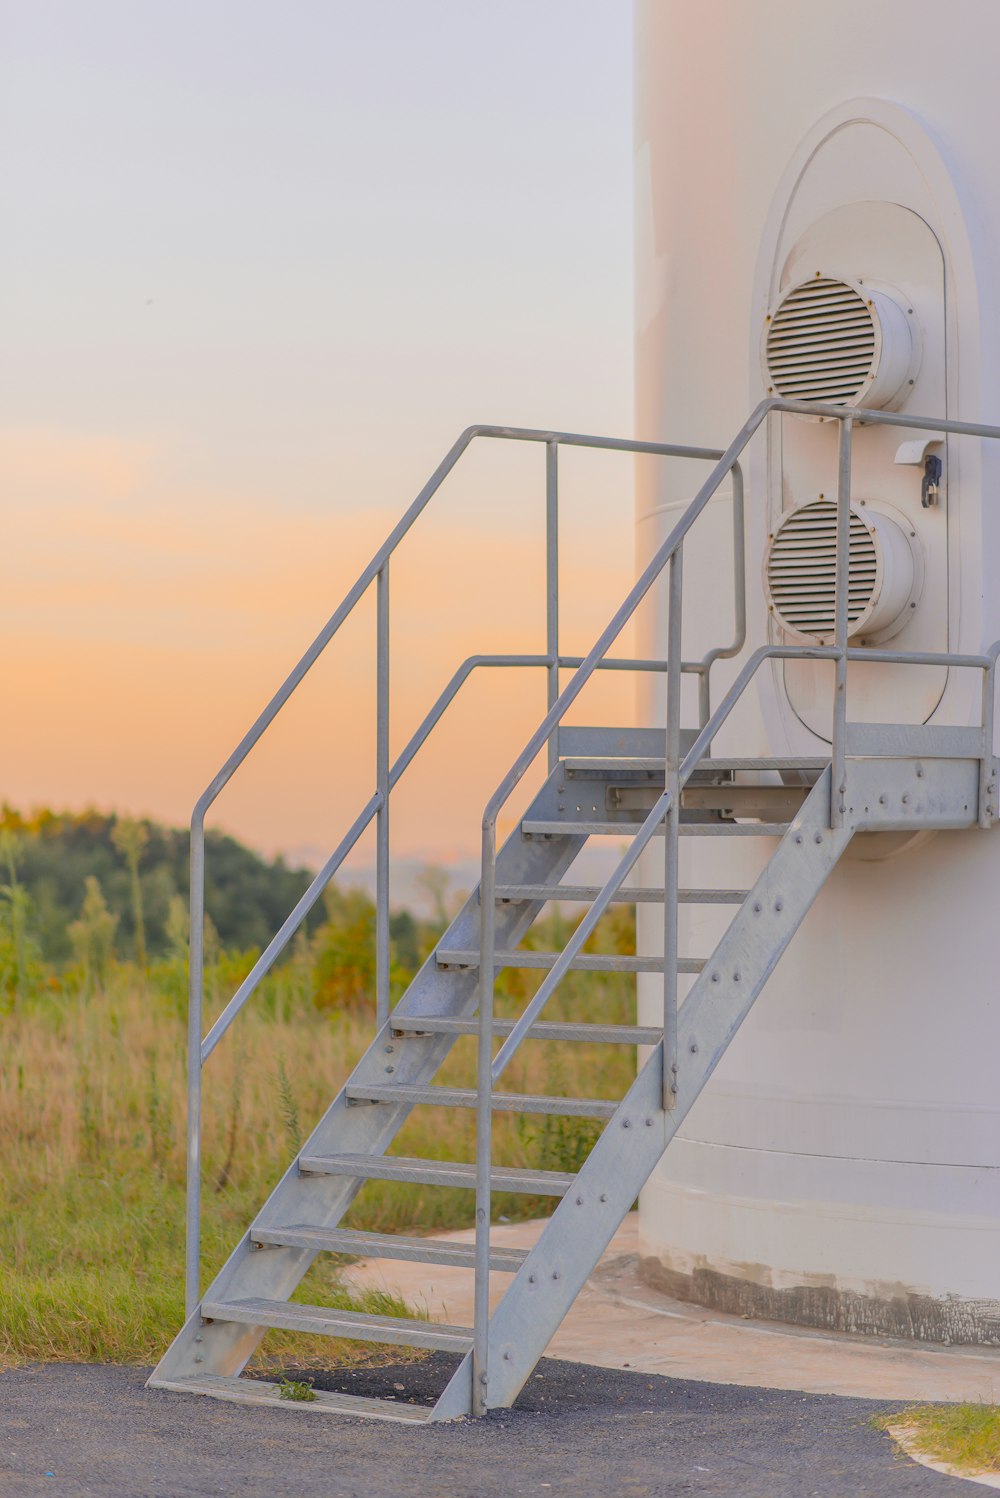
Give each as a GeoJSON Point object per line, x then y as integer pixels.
{"type": "Point", "coordinates": [611, 962]}
{"type": "Point", "coordinates": [324, 1321]}
{"type": "Point", "coordinates": [634, 765]}
{"type": "Point", "coordinates": [436, 1173]}
{"type": "Point", "coordinates": [625, 830]}
{"type": "Point", "coordinates": [467, 1097]}
{"type": "Point", "coordinates": [579, 764]}
{"type": "Point", "coordinates": [386, 1246]}
{"type": "Point", "coordinates": [259, 1391]}
{"type": "Point", "coordinates": [765, 762]}
{"type": "Point", "coordinates": [734, 829]}
{"type": "Point", "coordinates": [587, 893]}
{"type": "Point", "coordinates": [544, 1030]}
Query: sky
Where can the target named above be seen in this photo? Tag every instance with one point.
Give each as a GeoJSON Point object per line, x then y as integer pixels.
{"type": "Point", "coordinates": [261, 263]}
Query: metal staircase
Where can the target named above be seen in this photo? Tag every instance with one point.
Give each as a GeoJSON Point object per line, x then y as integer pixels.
{"type": "Point", "coordinates": [645, 787]}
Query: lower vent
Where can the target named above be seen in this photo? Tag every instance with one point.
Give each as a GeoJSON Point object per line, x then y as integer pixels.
{"type": "Point", "coordinates": [800, 573]}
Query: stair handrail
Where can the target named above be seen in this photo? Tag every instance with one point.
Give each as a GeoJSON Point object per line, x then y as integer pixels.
{"type": "Point", "coordinates": [422, 733]}
{"type": "Point", "coordinates": [669, 555]}
{"type": "Point", "coordinates": [672, 545]}
{"type": "Point", "coordinates": [689, 764]}
{"type": "Point", "coordinates": [387, 775]}
{"type": "Point", "coordinates": [375, 571]}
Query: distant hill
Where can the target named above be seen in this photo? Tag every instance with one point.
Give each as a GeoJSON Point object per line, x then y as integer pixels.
{"type": "Point", "coordinates": [247, 897]}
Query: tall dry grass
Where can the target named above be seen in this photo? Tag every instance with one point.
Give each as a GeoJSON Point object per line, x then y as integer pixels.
{"type": "Point", "coordinates": [92, 1108]}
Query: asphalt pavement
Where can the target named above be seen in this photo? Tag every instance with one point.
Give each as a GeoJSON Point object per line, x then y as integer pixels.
{"type": "Point", "coordinates": [577, 1432]}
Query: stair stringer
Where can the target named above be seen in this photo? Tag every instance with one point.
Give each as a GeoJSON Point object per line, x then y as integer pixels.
{"type": "Point", "coordinates": [591, 1212]}
{"type": "Point", "coordinates": [223, 1348]}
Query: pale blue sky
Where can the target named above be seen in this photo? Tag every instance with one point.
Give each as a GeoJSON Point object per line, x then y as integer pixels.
{"type": "Point", "coordinates": [252, 226]}
{"type": "Point", "coordinates": [267, 260]}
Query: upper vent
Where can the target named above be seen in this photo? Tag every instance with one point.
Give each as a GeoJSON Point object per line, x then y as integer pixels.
{"type": "Point", "coordinates": [839, 343]}
{"type": "Point", "coordinates": [800, 573]}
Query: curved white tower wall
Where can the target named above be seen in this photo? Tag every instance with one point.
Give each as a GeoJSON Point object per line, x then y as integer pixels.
{"type": "Point", "coordinates": [843, 1166]}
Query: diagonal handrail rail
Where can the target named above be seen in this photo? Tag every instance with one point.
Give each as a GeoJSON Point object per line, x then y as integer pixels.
{"type": "Point", "coordinates": [640, 841]}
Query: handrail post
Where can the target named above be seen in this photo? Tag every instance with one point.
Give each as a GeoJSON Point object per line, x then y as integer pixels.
{"type": "Point", "coordinates": [987, 784]}
{"type": "Point", "coordinates": [672, 759]}
{"type": "Point", "coordinates": [704, 696]}
{"type": "Point", "coordinates": [382, 815]}
{"type": "Point", "coordinates": [552, 585]}
{"type": "Point", "coordinates": [196, 961]}
{"type": "Point", "coordinates": [484, 1120]}
{"type": "Point", "coordinates": [838, 782]}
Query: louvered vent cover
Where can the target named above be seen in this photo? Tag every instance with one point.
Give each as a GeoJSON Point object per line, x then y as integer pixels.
{"type": "Point", "coordinates": [834, 341]}
{"type": "Point", "coordinates": [800, 572]}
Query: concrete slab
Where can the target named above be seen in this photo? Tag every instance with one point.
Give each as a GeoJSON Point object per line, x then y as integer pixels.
{"type": "Point", "coordinates": [618, 1322]}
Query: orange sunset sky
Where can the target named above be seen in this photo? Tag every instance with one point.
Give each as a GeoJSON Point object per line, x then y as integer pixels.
{"type": "Point", "coordinates": [263, 264]}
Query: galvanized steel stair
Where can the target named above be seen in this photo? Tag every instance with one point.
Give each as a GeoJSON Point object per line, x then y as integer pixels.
{"type": "Point", "coordinates": [585, 796]}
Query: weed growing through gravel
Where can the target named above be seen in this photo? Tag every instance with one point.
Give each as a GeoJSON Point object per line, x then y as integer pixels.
{"type": "Point", "coordinates": [298, 1389]}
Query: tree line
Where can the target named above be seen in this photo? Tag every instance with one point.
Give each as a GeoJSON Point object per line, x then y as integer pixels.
{"type": "Point", "coordinates": [141, 867]}
{"type": "Point", "coordinates": [80, 891]}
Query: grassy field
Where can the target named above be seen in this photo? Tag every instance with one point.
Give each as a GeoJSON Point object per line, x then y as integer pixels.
{"type": "Point", "coordinates": [92, 1089]}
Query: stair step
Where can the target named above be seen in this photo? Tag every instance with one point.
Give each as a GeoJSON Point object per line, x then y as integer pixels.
{"type": "Point", "coordinates": [578, 763]}
{"type": "Point", "coordinates": [588, 893]}
{"type": "Point", "coordinates": [624, 830]}
{"type": "Point", "coordinates": [386, 1246]}
{"type": "Point", "coordinates": [640, 764]}
{"type": "Point", "coordinates": [436, 1173]}
{"type": "Point", "coordinates": [594, 962]}
{"type": "Point", "coordinates": [258, 1391]}
{"type": "Point", "coordinates": [765, 762]}
{"type": "Point", "coordinates": [441, 1024]}
{"type": "Point", "coordinates": [466, 1097]}
{"type": "Point", "coordinates": [326, 1322]}
{"type": "Point", "coordinates": [734, 829]}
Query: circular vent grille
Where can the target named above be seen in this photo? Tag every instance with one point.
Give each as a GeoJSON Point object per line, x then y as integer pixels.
{"type": "Point", "coordinates": [800, 572]}
{"type": "Point", "coordinates": [833, 341]}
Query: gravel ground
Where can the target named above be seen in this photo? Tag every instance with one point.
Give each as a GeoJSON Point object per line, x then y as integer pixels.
{"type": "Point", "coordinates": [95, 1432]}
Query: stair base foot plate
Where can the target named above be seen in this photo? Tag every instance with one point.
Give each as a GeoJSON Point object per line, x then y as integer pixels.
{"type": "Point", "coordinates": [258, 1391]}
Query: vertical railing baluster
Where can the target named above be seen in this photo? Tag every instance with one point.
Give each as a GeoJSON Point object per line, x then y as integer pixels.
{"type": "Point", "coordinates": [382, 815]}
{"type": "Point", "coordinates": [838, 782]}
{"type": "Point", "coordinates": [196, 961]}
{"type": "Point", "coordinates": [484, 1121]}
{"type": "Point", "coordinates": [552, 585]}
{"type": "Point", "coordinates": [671, 861]}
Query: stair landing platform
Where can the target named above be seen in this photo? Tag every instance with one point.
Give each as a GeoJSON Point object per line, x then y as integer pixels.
{"type": "Point", "coordinates": [619, 1322]}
